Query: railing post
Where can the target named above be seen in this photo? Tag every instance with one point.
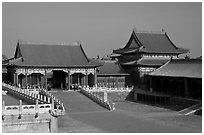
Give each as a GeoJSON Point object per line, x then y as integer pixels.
{"type": "Point", "coordinates": [45, 98]}
{"type": "Point", "coordinates": [3, 107]}
{"type": "Point", "coordinates": [36, 109]}
{"type": "Point", "coordinates": [20, 109]}
{"type": "Point", "coordinates": [52, 105]}
{"type": "Point", "coordinates": [105, 96]}
{"type": "Point", "coordinates": [48, 99]}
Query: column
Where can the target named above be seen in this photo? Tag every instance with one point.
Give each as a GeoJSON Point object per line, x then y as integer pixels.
{"type": "Point", "coordinates": [105, 81]}
{"type": "Point", "coordinates": [95, 77]}
{"type": "Point", "coordinates": [30, 80]}
{"type": "Point", "coordinates": [26, 78]}
{"type": "Point", "coordinates": [69, 81]}
{"type": "Point", "coordinates": [150, 84]}
{"type": "Point", "coordinates": [78, 79]}
{"type": "Point", "coordinates": [162, 85]}
{"type": "Point", "coordinates": [37, 79]}
{"type": "Point", "coordinates": [186, 87]}
{"type": "Point", "coordinates": [16, 79]}
{"type": "Point", "coordinates": [86, 79]}
{"type": "Point", "coordinates": [46, 79]}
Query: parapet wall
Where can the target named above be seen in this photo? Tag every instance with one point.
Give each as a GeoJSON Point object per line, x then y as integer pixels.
{"type": "Point", "coordinates": [29, 124]}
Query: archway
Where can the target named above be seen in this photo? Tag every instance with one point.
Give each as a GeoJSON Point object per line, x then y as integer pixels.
{"type": "Point", "coordinates": [59, 79]}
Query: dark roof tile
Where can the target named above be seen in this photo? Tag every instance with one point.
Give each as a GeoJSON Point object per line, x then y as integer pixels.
{"type": "Point", "coordinates": [191, 68]}
{"type": "Point", "coordinates": [51, 55]}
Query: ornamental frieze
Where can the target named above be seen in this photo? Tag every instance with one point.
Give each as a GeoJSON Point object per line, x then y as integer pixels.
{"type": "Point", "coordinates": [43, 70]}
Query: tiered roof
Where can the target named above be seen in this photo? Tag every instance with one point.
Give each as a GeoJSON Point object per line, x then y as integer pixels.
{"type": "Point", "coordinates": [150, 42]}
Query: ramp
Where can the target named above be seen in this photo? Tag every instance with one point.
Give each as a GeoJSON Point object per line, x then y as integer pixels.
{"type": "Point", "coordinates": [76, 102]}
{"type": "Point", "coordinates": [191, 109]}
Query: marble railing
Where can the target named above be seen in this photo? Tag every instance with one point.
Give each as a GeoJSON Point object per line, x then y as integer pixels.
{"type": "Point", "coordinates": [32, 97]}
{"type": "Point", "coordinates": [98, 99]}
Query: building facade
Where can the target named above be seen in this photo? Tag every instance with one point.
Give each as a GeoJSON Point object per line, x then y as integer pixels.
{"type": "Point", "coordinates": [111, 75]}
{"type": "Point", "coordinates": [179, 78]}
{"type": "Point", "coordinates": [45, 65]}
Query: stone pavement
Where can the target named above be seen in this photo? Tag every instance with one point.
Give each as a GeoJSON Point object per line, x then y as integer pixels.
{"type": "Point", "coordinates": [84, 116]}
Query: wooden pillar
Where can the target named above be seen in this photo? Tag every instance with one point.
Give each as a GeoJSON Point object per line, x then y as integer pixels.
{"type": "Point", "coordinates": [14, 78]}
{"type": "Point", "coordinates": [150, 84]}
{"type": "Point", "coordinates": [78, 79]}
{"type": "Point", "coordinates": [186, 87]}
{"type": "Point", "coordinates": [69, 80]}
{"type": "Point", "coordinates": [95, 77]}
{"type": "Point", "coordinates": [37, 75]}
{"type": "Point", "coordinates": [162, 85]}
{"type": "Point", "coordinates": [86, 79]}
{"type": "Point", "coordinates": [30, 78]}
{"type": "Point", "coordinates": [105, 81]}
{"type": "Point", "coordinates": [46, 79]}
{"type": "Point", "coordinates": [26, 78]}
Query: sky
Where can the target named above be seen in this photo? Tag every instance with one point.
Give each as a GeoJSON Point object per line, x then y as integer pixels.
{"type": "Point", "coordinates": [100, 27]}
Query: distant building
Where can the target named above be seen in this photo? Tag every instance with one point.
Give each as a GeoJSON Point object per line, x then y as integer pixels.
{"type": "Point", "coordinates": [111, 75]}
{"type": "Point", "coordinates": [144, 53]}
{"type": "Point", "coordinates": [59, 66]}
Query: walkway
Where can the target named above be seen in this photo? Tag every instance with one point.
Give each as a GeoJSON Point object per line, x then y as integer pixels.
{"type": "Point", "coordinates": [83, 115]}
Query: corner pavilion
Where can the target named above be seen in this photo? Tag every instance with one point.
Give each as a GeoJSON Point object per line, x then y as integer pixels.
{"type": "Point", "coordinates": [59, 66]}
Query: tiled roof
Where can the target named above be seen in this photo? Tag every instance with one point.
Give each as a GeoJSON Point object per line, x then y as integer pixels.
{"type": "Point", "coordinates": [51, 55]}
{"type": "Point", "coordinates": [150, 42]}
{"type": "Point", "coordinates": [111, 68]}
{"type": "Point", "coordinates": [152, 62]}
{"type": "Point", "coordinates": [126, 50]}
{"type": "Point", "coordinates": [180, 68]}
{"type": "Point", "coordinates": [156, 42]}
{"type": "Point", "coordinates": [146, 62]}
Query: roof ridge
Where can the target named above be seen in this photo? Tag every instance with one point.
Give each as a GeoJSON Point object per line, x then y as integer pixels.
{"type": "Point", "coordinates": [149, 32]}
{"type": "Point", "coordinates": [40, 43]}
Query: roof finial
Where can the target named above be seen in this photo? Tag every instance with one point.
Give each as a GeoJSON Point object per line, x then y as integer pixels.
{"type": "Point", "coordinates": [19, 41]}
{"type": "Point", "coordinates": [78, 42]}
{"type": "Point", "coordinates": [163, 30]}
{"type": "Point", "coordinates": [134, 29]}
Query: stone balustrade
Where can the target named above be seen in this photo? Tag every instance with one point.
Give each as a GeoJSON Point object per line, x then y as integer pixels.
{"type": "Point", "coordinates": [109, 89]}
{"type": "Point", "coordinates": [32, 97]}
{"type": "Point", "coordinates": [98, 99]}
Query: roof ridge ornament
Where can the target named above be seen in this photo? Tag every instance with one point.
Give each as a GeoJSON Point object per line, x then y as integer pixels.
{"type": "Point", "coordinates": [40, 43]}
{"type": "Point", "coordinates": [148, 31]}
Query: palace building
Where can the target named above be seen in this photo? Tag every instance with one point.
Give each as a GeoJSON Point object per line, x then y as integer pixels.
{"type": "Point", "coordinates": [111, 75]}
{"type": "Point", "coordinates": [57, 66]}
{"type": "Point", "coordinates": [180, 78]}
{"type": "Point", "coordinates": [144, 52]}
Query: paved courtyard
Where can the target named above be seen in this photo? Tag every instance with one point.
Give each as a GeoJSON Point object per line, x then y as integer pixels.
{"type": "Point", "coordinates": [83, 115]}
